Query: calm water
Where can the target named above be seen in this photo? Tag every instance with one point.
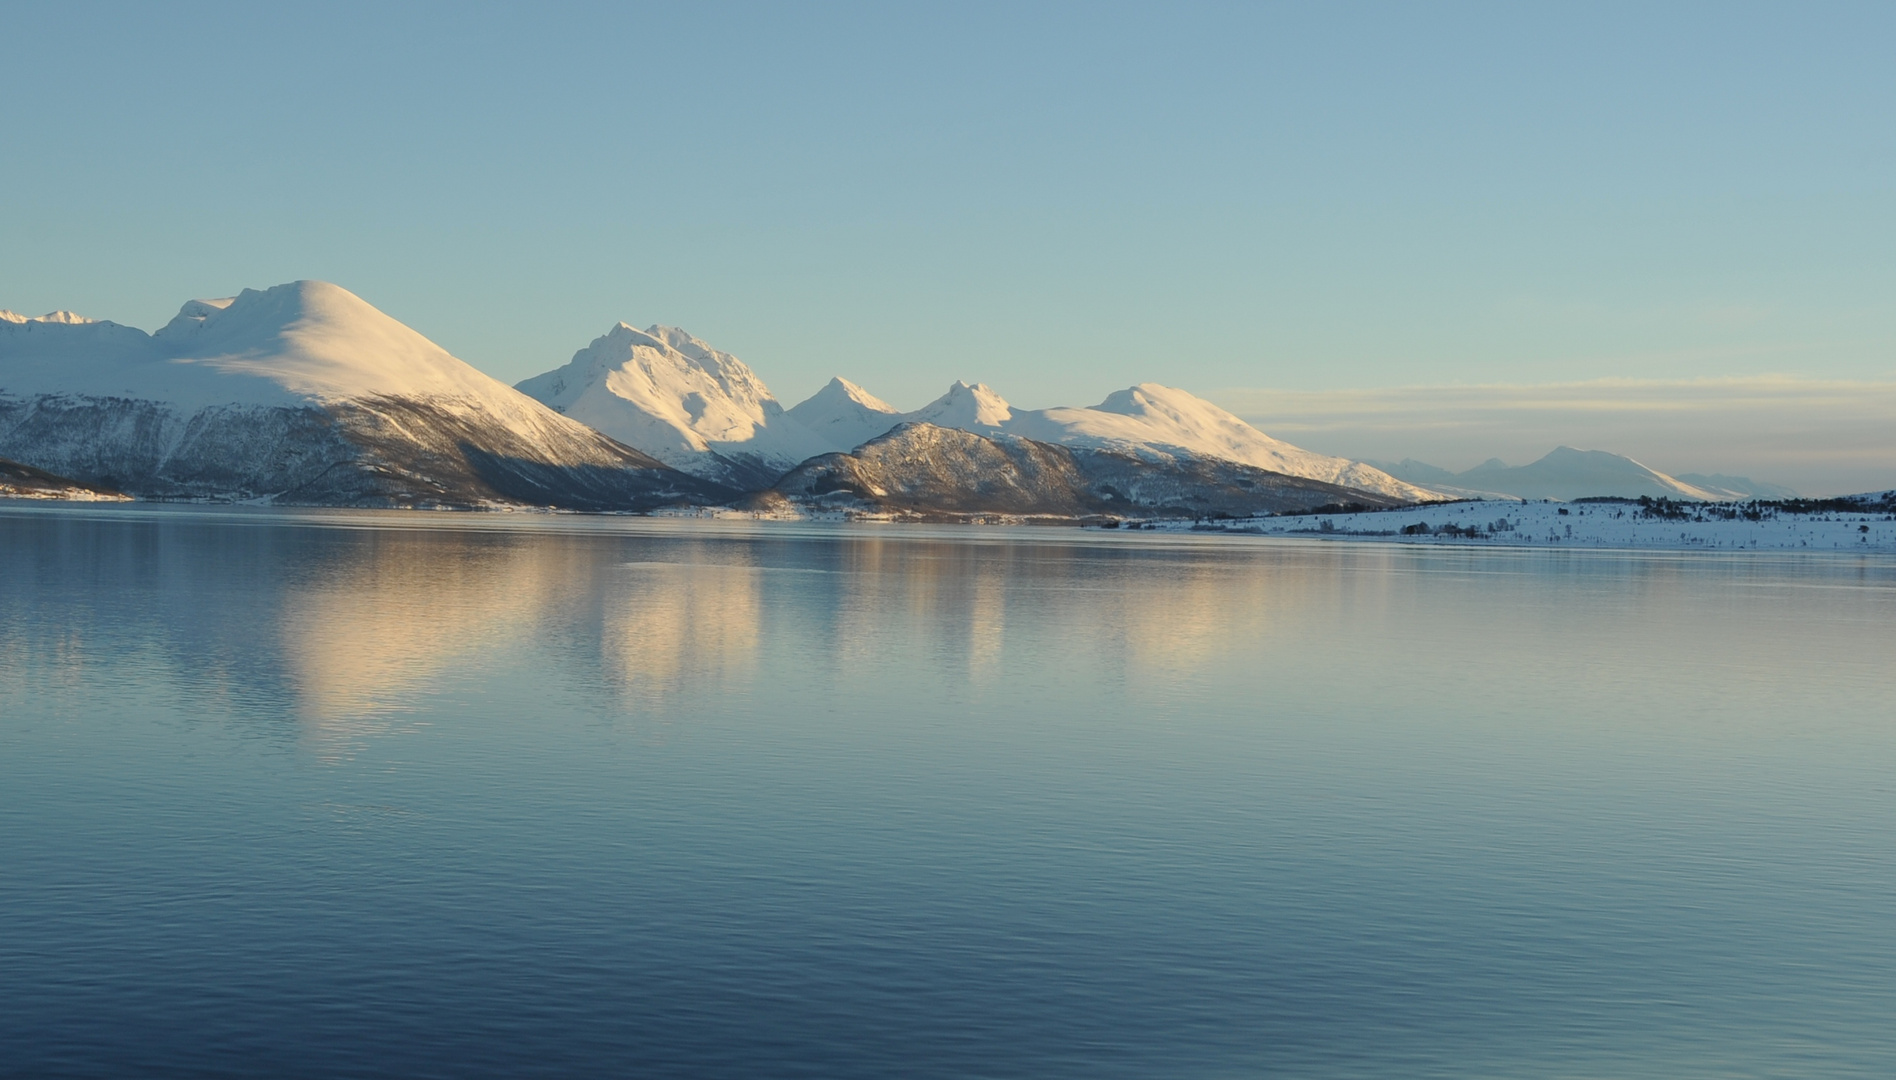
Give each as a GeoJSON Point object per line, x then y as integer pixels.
{"type": "Point", "coordinates": [469, 795]}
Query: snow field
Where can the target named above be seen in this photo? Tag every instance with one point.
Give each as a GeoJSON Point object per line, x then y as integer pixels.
{"type": "Point", "coordinates": [1582, 525]}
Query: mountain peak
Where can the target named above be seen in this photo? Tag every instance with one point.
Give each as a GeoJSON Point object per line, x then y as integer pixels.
{"type": "Point", "coordinates": [673, 396]}
{"type": "Point", "coordinates": [314, 339]}
{"type": "Point", "coordinates": [284, 345]}
{"type": "Point", "coordinates": [679, 338]}
{"type": "Point", "coordinates": [973, 407]}
{"type": "Point", "coordinates": [840, 393]}
{"type": "Point", "coordinates": [622, 332]}
{"type": "Point", "coordinates": [841, 388]}
{"type": "Point", "coordinates": [667, 346]}
{"type": "Point", "coordinates": [62, 318]}
{"type": "Point", "coordinates": [316, 306]}
{"type": "Point", "coordinates": [844, 415]}
{"type": "Point", "coordinates": [194, 314]}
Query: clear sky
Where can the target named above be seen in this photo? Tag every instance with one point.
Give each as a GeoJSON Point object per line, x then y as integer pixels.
{"type": "Point", "coordinates": [1058, 200]}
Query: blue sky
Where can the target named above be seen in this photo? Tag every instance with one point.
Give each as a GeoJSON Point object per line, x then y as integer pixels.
{"type": "Point", "coordinates": [1055, 199]}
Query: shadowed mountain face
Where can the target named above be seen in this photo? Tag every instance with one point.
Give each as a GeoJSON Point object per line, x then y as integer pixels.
{"type": "Point", "coordinates": [412, 453]}
{"type": "Point", "coordinates": [930, 471]}
{"type": "Point", "coordinates": [379, 452]}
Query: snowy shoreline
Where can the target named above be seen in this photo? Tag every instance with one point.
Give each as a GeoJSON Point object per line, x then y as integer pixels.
{"type": "Point", "coordinates": [1655, 525]}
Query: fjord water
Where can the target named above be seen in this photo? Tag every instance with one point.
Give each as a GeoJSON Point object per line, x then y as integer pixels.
{"type": "Point", "coordinates": [359, 794]}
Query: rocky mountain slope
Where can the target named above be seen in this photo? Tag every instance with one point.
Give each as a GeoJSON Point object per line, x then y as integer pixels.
{"type": "Point", "coordinates": [925, 470]}
{"type": "Point", "coordinates": [303, 394]}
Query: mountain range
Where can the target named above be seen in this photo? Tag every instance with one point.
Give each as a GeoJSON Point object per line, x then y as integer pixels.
{"type": "Point", "coordinates": [306, 394]}
{"type": "Point", "coordinates": [703, 411]}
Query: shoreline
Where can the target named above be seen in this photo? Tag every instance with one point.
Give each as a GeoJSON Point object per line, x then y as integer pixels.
{"type": "Point", "coordinates": [1541, 526]}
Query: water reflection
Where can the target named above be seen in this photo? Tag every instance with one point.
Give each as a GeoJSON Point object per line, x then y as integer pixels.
{"type": "Point", "coordinates": [380, 626]}
{"type": "Point", "coordinates": [666, 623]}
{"type": "Point", "coordinates": [343, 629]}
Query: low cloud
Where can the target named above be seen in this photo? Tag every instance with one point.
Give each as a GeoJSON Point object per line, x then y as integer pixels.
{"type": "Point", "coordinates": [1816, 436]}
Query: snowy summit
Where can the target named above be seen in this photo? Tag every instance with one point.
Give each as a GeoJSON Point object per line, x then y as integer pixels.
{"type": "Point", "coordinates": [681, 401]}
{"type": "Point", "coordinates": [844, 415]}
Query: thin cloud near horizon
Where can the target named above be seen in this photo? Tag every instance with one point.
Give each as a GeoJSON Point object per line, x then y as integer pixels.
{"type": "Point", "coordinates": [1820, 436]}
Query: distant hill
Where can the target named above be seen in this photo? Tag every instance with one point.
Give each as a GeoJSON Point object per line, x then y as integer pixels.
{"type": "Point", "coordinates": [1566, 473]}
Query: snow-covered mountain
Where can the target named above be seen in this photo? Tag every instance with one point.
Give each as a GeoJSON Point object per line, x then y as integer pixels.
{"type": "Point", "coordinates": [306, 394]}
{"type": "Point", "coordinates": [676, 398]}
{"type": "Point", "coordinates": [1148, 420]}
{"type": "Point", "coordinates": [967, 408]}
{"type": "Point", "coordinates": [1564, 474]}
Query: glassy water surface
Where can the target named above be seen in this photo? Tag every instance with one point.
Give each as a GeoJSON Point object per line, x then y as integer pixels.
{"type": "Point", "coordinates": [356, 794]}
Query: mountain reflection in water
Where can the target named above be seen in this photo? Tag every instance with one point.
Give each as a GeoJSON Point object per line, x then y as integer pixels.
{"type": "Point", "coordinates": [345, 623]}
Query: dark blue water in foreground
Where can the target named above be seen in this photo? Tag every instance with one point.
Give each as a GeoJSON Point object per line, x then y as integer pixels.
{"type": "Point", "coordinates": [495, 795]}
